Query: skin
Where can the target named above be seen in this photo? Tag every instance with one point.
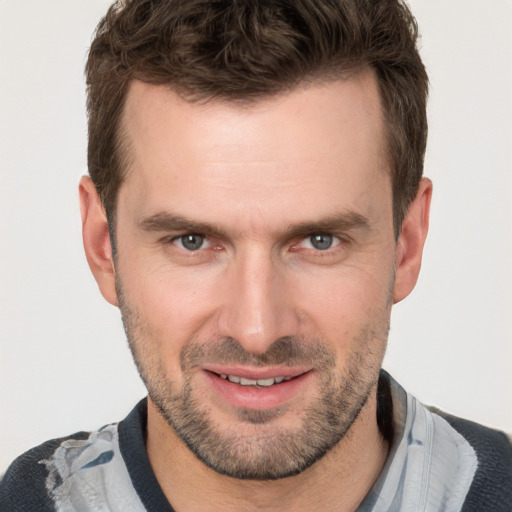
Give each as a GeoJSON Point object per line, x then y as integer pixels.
{"type": "Point", "coordinates": [258, 181]}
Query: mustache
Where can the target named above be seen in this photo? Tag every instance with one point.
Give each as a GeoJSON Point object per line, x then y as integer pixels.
{"type": "Point", "coordinates": [285, 351]}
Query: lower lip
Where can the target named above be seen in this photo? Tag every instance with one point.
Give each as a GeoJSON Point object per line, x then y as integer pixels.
{"type": "Point", "coordinates": [262, 398]}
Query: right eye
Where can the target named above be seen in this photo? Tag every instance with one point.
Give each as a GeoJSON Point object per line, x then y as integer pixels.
{"type": "Point", "coordinates": [191, 242]}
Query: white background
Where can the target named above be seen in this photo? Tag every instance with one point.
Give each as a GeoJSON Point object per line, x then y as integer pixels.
{"type": "Point", "coordinates": [64, 363]}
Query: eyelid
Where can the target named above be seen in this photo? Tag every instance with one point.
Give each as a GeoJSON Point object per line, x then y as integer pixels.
{"type": "Point", "coordinates": [300, 243]}
{"type": "Point", "coordinates": [177, 241]}
{"type": "Point", "coordinates": [337, 241]}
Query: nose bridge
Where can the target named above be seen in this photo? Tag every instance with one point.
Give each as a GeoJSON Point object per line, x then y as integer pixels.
{"type": "Point", "coordinates": [257, 310]}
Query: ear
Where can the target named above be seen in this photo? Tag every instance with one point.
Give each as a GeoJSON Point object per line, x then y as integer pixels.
{"type": "Point", "coordinates": [409, 248]}
{"type": "Point", "coordinates": [96, 239]}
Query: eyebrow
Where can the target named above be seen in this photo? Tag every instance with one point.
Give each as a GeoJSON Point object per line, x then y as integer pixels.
{"type": "Point", "coordinates": [167, 222]}
{"type": "Point", "coordinates": [346, 221]}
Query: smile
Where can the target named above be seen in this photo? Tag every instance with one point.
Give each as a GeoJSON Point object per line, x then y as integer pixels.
{"type": "Point", "coordinates": [257, 388]}
{"type": "Point", "coordinates": [265, 383]}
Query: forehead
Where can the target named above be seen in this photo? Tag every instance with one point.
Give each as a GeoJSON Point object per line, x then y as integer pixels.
{"type": "Point", "coordinates": [324, 142]}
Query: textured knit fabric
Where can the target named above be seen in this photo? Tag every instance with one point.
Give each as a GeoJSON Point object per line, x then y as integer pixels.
{"type": "Point", "coordinates": [437, 463]}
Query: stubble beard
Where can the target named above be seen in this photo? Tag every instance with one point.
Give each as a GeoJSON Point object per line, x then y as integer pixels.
{"type": "Point", "coordinates": [269, 452]}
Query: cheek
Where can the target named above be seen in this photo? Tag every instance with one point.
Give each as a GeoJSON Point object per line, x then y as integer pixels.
{"type": "Point", "coordinates": [175, 306]}
{"type": "Point", "coordinates": [339, 305]}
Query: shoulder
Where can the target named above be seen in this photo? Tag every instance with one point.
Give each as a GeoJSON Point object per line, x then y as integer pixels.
{"type": "Point", "coordinates": [491, 489]}
{"type": "Point", "coordinates": [23, 487]}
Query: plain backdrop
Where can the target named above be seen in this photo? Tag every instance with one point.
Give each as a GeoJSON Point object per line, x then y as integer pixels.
{"type": "Point", "coordinates": [64, 362]}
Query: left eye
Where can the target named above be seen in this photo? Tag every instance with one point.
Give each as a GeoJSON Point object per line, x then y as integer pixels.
{"type": "Point", "coordinates": [320, 242]}
{"type": "Point", "coordinates": [191, 242]}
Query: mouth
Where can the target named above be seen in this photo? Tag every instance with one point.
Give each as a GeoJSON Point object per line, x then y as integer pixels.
{"type": "Point", "coordinates": [259, 383]}
{"type": "Point", "coordinates": [258, 388]}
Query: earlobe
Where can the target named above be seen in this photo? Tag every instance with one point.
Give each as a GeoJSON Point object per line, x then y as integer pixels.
{"type": "Point", "coordinates": [96, 239]}
{"type": "Point", "coordinates": [409, 248]}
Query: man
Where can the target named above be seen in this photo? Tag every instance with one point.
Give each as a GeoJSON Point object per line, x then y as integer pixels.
{"type": "Point", "coordinates": [255, 206]}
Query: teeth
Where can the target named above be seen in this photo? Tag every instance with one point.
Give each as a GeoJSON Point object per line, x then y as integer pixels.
{"type": "Point", "coordinates": [265, 383]}
{"type": "Point", "coordinates": [248, 382]}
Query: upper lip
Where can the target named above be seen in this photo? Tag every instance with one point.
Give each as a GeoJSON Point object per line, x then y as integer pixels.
{"type": "Point", "coordinates": [256, 373]}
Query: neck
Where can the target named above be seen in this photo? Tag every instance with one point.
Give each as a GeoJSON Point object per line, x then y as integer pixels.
{"type": "Point", "coordinates": [338, 481]}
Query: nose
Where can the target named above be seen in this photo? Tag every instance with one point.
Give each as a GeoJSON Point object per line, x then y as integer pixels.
{"type": "Point", "coordinates": [258, 304]}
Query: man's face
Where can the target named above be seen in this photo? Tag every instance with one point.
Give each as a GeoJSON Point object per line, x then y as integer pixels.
{"type": "Point", "coordinates": [255, 268]}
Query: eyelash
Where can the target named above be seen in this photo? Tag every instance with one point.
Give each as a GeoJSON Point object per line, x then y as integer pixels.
{"type": "Point", "coordinates": [179, 238]}
{"type": "Point", "coordinates": [337, 242]}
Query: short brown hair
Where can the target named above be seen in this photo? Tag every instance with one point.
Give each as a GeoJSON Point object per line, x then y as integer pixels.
{"type": "Point", "coordinates": [242, 50]}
